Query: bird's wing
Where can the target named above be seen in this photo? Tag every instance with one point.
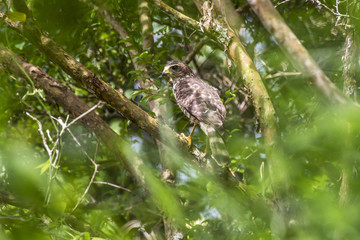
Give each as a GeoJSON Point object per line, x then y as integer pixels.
{"type": "Point", "coordinates": [201, 101]}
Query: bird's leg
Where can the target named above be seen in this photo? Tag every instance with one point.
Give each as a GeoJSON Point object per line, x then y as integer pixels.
{"type": "Point", "coordinates": [190, 136]}
{"type": "Point", "coordinates": [192, 131]}
{"type": "Point", "coordinates": [207, 146]}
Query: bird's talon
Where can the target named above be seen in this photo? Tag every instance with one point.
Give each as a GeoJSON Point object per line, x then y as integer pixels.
{"type": "Point", "coordinates": [188, 139]}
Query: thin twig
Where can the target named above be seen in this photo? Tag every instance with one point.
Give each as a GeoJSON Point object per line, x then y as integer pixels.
{"type": "Point", "coordinates": [94, 173]}
{"type": "Point", "coordinates": [79, 144]}
{"type": "Point", "coordinates": [42, 135]}
{"type": "Point", "coordinates": [85, 113]}
{"type": "Point", "coordinates": [50, 154]}
{"type": "Point", "coordinates": [54, 152]}
{"type": "Point", "coordinates": [282, 74]}
{"type": "Point", "coordinates": [336, 12]}
{"type": "Point", "coordinates": [282, 2]}
{"type": "Point", "coordinates": [196, 49]}
{"type": "Point", "coordinates": [87, 188]}
{"type": "Point", "coordinates": [113, 185]}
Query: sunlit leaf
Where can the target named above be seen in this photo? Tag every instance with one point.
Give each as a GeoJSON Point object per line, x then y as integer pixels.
{"type": "Point", "coordinates": [17, 16]}
{"type": "Point", "coordinates": [44, 166]}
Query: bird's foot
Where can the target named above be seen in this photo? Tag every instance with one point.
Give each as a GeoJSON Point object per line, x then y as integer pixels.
{"type": "Point", "coordinates": [188, 139]}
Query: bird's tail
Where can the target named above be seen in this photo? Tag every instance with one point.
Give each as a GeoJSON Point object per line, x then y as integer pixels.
{"type": "Point", "coordinates": [217, 145]}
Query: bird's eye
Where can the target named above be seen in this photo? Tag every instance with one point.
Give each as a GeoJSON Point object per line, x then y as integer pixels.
{"type": "Point", "coordinates": [175, 67]}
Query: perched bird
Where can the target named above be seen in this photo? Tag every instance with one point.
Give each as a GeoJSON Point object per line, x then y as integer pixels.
{"type": "Point", "coordinates": [202, 104]}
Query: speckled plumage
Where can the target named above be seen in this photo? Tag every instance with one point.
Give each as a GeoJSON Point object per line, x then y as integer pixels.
{"type": "Point", "coordinates": [200, 102]}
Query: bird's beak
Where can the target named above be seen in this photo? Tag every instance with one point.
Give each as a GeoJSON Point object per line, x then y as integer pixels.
{"type": "Point", "coordinates": [165, 71]}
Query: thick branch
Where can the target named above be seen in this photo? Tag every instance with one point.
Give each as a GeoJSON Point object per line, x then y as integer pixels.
{"type": "Point", "coordinates": [119, 147]}
{"type": "Point", "coordinates": [178, 15]}
{"type": "Point", "coordinates": [147, 34]}
{"type": "Point", "coordinates": [70, 102]}
{"type": "Point", "coordinates": [95, 84]}
{"type": "Point", "coordinates": [291, 45]}
{"type": "Point", "coordinates": [102, 90]}
{"type": "Point", "coordinates": [261, 100]}
{"type": "Point", "coordinates": [251, 77]}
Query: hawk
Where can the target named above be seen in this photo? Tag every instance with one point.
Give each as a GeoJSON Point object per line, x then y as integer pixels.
{"type": "Point", "coordinates": [202, 104]}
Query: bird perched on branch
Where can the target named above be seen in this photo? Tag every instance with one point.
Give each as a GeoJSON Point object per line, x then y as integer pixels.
{"type": "Point", "coordinates": [202, 104]}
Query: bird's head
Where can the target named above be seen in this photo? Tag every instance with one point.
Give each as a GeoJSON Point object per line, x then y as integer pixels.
{"type": "Point", "coordinates": [176, 69]}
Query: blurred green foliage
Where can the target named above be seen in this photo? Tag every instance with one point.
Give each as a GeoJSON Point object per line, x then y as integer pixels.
{"type": "Point", "coordinates": [318, 144]}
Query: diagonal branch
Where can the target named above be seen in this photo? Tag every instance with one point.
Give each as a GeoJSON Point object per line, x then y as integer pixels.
{"type": "Point", "coordinates": [295, 51]}
{"type": "Point", "coordinates": [93, 83]}
{"type": "Point", "coordinates": [120, 148]}
{"type": "Point", "coordinates": [263, 106]}
{"type": "Point", "coordinates": [261, 100]}
{"type": "Point", "coordinates": [147, 36]}
{"type": "Point", "coordinates": [64, 97]}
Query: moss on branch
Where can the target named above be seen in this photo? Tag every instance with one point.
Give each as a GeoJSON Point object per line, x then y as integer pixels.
{"type": "Point", "coordinates": [91, 81]}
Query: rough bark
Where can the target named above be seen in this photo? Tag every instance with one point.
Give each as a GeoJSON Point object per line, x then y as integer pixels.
{"type": "Point", "coordinates": [121, 149]}
{"type": "Point", "coordinates": [65, 98]}
{"type": "Point", "coordinates": [103, 91]}
{"type": "Point", "coordinates": [261, 100]}
{"type": "Point", "coordinates": [264, 108]}
{"type": "Point", "coordinates": [92, 82]}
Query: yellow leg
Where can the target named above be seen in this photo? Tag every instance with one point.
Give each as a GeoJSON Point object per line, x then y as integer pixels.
{"type": "Point", "coordinates": [207, 146]}
{"type": "Point", "coordinates": [190, 136]}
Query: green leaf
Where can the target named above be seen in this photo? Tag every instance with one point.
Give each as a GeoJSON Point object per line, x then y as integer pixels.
{"type": "Point", "coordinates": [20, 45]}
{"type": "Point", "coordinates": [104, 36]}
{"type": "Point", "coordinates": [235, 130]}
{"type": "Point", "coordinates": [128, 93]}
{"type": "Point", "coordinates": [44, 166]}
{"type": "Point", "coordinates": [17, 16]}
{"type": "Point", "coordinates": [87, 236]}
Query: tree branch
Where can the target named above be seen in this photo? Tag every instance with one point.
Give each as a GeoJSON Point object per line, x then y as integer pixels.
{"type": "Point", "coordinates": [73, 104]}
{"type": "Point", "coordinates": [93, 83]}
{"type": "Point", "coordinates": [349, 89]}
{"type": "Point", "coordinates": [194, 51]}
{"type": "Point", "coordinates": [146, 25]}
{"type": "Point", "coordinates": [295, 51]}
{"type": "Point", "coordinates": [349, 60]}
{"type": "Point", "coordinates": [261, 100]}
{"type": "Point", "coordinates": [62, 96]}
